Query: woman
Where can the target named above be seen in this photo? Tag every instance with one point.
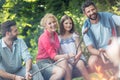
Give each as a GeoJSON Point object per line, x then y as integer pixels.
{"type": "Point", "coordinates": [48, 45]}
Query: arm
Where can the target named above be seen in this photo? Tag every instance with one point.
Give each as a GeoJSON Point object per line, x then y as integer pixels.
{"type": "Point", "coordinates": [27, 58]}
{"type": "Point", "coordinates": [28, 65]}
{"type": "Point", "coordinates": [3, 73]}
{"type": "Point", "coordinates": [28, 68]}
{"type": "Point", "coordinates": [45, 44]}
{"type": "Point", "coordinates": [66, 56]}
{"type": "Point", "coordinates": [49, 48]}
{"type": "Point", "coordinates": [10, 76]}
{"type": "Point", "coordinates": [116, 19]}
{"type": "Point", "coordinates": [93, 50]}
{"type": "Point", "coordinates": [78, 49]}
{"type": "Point", "coordinates": [101, 52]}
{"type": "Point", "coordinates": [7, 75]}
{"type": "Point", "coordinates": [77, 41]}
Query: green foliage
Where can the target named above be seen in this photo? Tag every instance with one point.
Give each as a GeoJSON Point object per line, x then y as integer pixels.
{"type": "Point", "coordinates": [28, 13]}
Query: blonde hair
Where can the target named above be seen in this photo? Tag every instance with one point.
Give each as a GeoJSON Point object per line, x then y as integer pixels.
{"type": "Point", "coordinates": [44, 19]}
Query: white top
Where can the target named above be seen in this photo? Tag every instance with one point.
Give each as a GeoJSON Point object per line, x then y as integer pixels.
{"type": "Point", "coordinates": [68, 45]}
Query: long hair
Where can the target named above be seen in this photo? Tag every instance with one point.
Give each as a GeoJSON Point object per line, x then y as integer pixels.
{"type": "Point", "coordinates": [62, 30]}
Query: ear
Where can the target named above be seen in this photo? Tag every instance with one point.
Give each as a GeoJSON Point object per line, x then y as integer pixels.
{"type": "Point", "coordinates": [7, 33]}
{"type": "Point", "coordinates": [84, 13]}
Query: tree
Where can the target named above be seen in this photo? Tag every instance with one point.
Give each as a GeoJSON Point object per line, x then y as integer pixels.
{"type": "Point", "coordinates": [27, 14]}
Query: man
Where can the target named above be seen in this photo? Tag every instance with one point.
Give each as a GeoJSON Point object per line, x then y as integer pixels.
{"type": "Point", "coordinates": [12, 52]}
{"type": "Point", "coordinates": [100, 27]}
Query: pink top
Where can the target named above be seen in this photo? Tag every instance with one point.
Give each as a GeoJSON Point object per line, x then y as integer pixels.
{"type": "Point", "coordinates": [47, 48]}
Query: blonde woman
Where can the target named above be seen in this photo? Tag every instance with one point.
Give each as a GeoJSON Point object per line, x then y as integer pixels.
{"type": "Point", "coordinates": [48, 46]}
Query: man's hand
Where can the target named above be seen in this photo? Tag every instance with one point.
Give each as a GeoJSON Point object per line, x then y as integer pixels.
{"type": "Point", "coordinates": [104, 56]}
{"type": "Point", "coordinates": [28, 76]}
{"type": "Point", "coordinates": [19, 77]}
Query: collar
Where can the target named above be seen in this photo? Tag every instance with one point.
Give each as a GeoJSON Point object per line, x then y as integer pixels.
{"type": "Point", "coordinates": [4, 45]}
{"type": "Point", "coordinates": [48, 33]}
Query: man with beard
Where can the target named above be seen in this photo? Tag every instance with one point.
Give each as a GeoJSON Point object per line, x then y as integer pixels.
{"type": "Point", "coordinates": [99, 28]}
{"type": "Point", "coordinates": [12, 53]}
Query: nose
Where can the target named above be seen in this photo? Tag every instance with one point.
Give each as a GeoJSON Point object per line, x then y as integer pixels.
{"type": "Point", "coordinates": [91, 12]}
{"type": "Point", "coordinates": [53, 24]}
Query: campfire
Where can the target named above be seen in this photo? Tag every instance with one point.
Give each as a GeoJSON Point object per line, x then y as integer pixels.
{"type": "Point", "coordinates": [100, 75]}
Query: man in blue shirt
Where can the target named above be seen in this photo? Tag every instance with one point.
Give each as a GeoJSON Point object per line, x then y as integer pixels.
{"type": "Point", "coordinates": [100, 26]}
{"type": "Point", "coordinates": [12, 53]}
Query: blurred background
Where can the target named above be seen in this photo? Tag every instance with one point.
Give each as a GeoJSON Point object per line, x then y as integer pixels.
{"type": "Point", "coordinates": [28, 13]}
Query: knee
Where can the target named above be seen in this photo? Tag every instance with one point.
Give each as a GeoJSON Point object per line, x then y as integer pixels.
{"type": "Point", "coordinates": [80, 65]}
{"type": "Point", "coordinates": [60, 72]}
{"type": "Point", "coordinates": [64, 64]}
{"type": "Point", "coordinates": [92, 61]}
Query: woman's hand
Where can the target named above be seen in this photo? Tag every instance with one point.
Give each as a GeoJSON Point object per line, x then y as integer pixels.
{"type": "Point", "coordinates": [77, 58]}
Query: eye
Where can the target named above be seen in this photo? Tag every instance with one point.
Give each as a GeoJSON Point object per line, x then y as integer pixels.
{"type": "Point", "coordinates": [87, 11]}
{"type": "Point", "coordinates": [66, 22]}
{"type": "Point", "coordinates": [49, 23]}
{"type": "Point", "coordinates": [54, 21]}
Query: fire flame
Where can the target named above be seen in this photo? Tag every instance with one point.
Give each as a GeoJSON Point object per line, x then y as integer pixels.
{"type": "Point", "coordinates": [99, 74]}
{"type": "Point", "coordinates": [102, 75]}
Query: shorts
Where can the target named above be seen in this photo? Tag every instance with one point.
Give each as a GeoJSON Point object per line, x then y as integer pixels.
{"type": "Point", "coordinates": [46, 67]}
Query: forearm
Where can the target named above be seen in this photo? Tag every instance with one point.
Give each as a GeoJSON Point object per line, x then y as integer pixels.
{"type": "Point", "coordinates": [57, 57]}
{"type": "Point", "coordinates": [7, 75]}
{"type": "Point", "coordinates": [78, 55]}
{"type": "Point", "coordinates": [93, 51]}
{"type": "Point", "coordinates": [28, 65]}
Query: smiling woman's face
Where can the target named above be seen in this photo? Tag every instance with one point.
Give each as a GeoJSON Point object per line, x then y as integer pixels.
{"type": "Point", "coordinates": [51, 25]}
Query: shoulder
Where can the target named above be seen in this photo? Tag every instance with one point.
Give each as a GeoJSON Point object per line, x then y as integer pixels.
{"type": "Point", "coordinates": [42, 36]}
{"type": "Point", "coordinates": [86, 25]}
{"type": "Point", "coordinates": [105, 14]}
{"type": "Point", "coordinates": [19, 41]}
{"type": "Point", "coordinates": [75, 35]}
